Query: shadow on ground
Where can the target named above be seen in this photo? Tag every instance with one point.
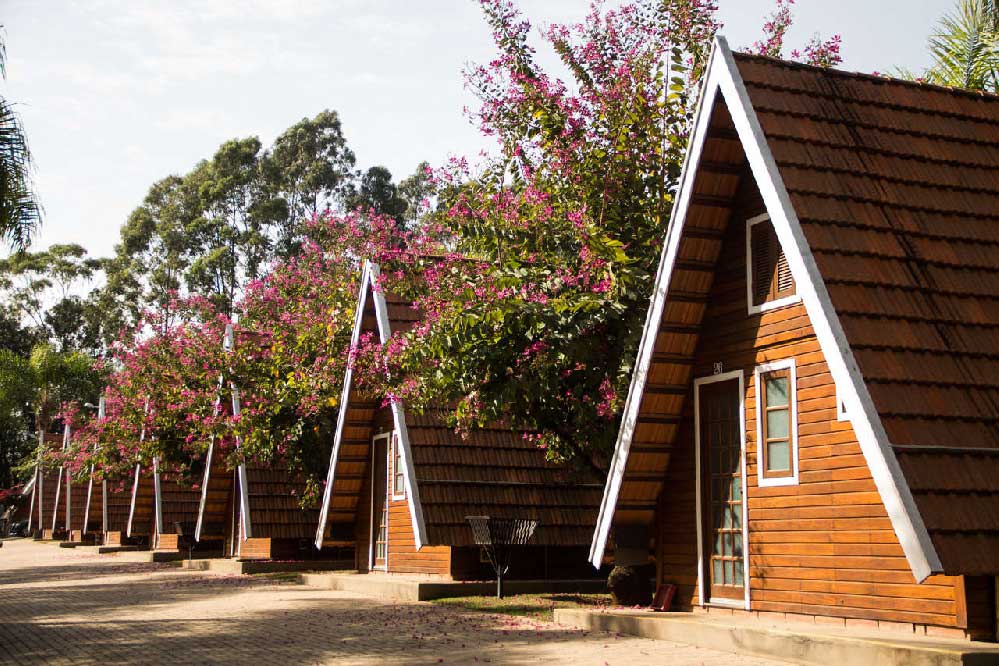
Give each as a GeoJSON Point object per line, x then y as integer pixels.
{"type": "Point", "coordinates": [80, 614]}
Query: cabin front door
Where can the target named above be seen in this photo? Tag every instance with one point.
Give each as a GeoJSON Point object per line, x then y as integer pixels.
{"type": "Point", "coordinates": [720, 435]}
{"type": "Point", "coordinates": [379, 501]}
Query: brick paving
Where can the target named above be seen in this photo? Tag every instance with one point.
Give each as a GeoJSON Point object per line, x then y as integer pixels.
{"type": "Point", "coordinates": [62, 606]}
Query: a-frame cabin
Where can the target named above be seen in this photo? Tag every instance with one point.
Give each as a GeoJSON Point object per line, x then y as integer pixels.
{"type": "Point", "coordinates": [255, 510]}
{"type": "Point", "coordinates": [44, 520]}
{"type": "Point", "coordinates": [401, 484]}
{"type": "Point", "coordinates": [833, 264]}
{"type": "Point", "coordinates": [175, 513]}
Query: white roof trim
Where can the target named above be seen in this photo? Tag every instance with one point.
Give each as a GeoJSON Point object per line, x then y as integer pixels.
{"type": "Point", "coordinates": [206, 477]}
{"type": "Point", "coordinates": [399, 416]}
{"type": "Point", "coordinates": [135, 482]}
{"type": "Point", "coordinates": [158, 494]}
{"type": "Point", "coordinates": [341, 416]}
{"type": "Point", "coordinates": [244, 483]}
{"type": "Point", "coordinates": [368, 280]}
{"type": "Point", "coordinates": [131, 506]}
{"type": "Point", "coordinates": [723, 75]}
{"type": "Point", "coordinates": [633, 402]}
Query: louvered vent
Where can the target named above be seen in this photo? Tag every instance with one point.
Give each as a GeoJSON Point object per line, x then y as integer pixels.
{"type": "Point", "coordinates": [771, 273]}
{"type": "Point", "coordinates": [761, 262]}
{"type": "Point", "coordinates": [785, 283]}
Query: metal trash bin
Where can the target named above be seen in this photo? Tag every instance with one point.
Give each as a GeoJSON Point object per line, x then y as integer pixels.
{"type": "Point", "coordinates": [498, 536]}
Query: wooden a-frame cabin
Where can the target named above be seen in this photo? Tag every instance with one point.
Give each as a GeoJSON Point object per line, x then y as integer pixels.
{"type": "Point", "coordinates": [400, 484]}
{"type": "Point", "coordinates": [255, 510]}
{"type": "Point", "coordinates": [45, 521]}
{"type": "Point", "coordinates": [811, 429]}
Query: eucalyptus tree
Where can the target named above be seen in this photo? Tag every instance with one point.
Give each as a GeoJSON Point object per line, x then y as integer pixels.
{"type": "Point", "coordinates": [311, 168]}
{"type": "Point", "coordinates": [42, 291]}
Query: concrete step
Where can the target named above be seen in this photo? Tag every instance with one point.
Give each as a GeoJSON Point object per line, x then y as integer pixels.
{"type": "Point", "coordinates": [104, 550]}
{"type": "Point", "coordinates": [242, 567]}
{"type": "Point", "coordinates": [400, 587]}
{"type": "Point", "coordinates": [800, 644]}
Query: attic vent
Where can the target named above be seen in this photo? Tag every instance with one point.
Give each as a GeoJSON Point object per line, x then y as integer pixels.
{"type": "Point", "coordinates": [769, 275]}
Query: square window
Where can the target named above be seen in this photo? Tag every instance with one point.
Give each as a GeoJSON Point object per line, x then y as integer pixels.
{"type": "Point", "coordinates": [776, 424]}
{"type": "Point", "coordinates": [398, 472]}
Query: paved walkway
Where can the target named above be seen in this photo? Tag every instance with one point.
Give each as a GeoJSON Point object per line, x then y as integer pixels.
{"type": "Point", "coordinates": [62, 606]}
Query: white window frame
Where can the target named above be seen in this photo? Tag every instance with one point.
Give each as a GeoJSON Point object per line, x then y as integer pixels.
{"type": "Point", "coordinates": [766, 305]}
{"type": "Point", "coordinates": [761, 480]}
{"type": "Point", "coordinates": [395, 456]}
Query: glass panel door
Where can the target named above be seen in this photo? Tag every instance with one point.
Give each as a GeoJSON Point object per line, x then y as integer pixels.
{"type": "Point", "coordinates": [721, 467]}
{"type": "Point", "coordinates": [379, 500]}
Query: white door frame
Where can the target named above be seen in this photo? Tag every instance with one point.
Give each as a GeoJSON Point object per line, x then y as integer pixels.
{"type": "Point", "coordinates": [701, 571]}
{"type": "Point", "coordinates": [373, 531]}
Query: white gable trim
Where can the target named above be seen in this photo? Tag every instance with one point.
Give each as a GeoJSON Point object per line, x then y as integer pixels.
{"type": "Point", "coordinates": [135, 482]}
{"type": "Point", "coordinates": [157, 493]}
{"type": "Point", "coordinates": [31, 507]}
{"type": "Point", "coordinates": [207, 475]}
{"type": "Point", "coordinates": [633, 402]}
{"type": "Point", "coordinates": [368, 282]}
{"type": "Point", "coordinates": [204, 490]}
{"type": "Point", "coordinates": [723, 75]}
{"type": "Point", "coordinates": [341, 417]}
{"type": "Point", "coordinates": [245, 524]}
{"type": "Point", "coordinates": [131, 506]}
{"type": "Point", "coordinates": [86, 507]}
{"type": "Point", "coordinates": [399, 416]}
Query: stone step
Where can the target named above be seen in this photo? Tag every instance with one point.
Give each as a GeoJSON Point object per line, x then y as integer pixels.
{"type": "Point", "coordinates": [799, 644]}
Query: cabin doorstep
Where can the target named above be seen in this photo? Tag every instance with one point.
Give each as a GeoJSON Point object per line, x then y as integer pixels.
{"type": "Point", "coordinates": [401, 483]}
{"type": "Point", "coordinates": [811, 427]}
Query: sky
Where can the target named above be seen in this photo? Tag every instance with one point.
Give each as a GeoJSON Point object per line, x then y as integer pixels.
{"type": "Point", "coordinates": [117, 94]}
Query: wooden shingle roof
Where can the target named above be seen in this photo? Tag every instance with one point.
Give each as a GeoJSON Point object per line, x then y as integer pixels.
{"type": "Point", "coordinates": [896, 187]}
{"type": "Point", "coordinates": [885, 197]}
{"type": "Point", "coordinates": [489, 471]}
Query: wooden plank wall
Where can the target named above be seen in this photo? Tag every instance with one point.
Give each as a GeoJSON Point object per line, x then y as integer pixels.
{"type": "Point", "coordinates": [826, 546]}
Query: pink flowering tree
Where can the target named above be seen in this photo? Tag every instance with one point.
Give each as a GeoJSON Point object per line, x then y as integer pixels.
{"type": "Point", "coordinates": [818, 51]}
{"type": "Point", "coordinates": [175, 381]}
{"type": "Point", "coordinates": [533, 315]}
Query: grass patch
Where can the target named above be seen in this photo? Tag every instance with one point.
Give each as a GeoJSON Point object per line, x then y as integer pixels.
{"type": "Point", "coordinates": [533, 606]}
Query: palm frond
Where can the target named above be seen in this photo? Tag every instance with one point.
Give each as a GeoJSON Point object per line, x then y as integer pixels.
{"type": "Point", "coordinates": [965, 47]}
{"type": "Point", "coordinates": [20, 214]}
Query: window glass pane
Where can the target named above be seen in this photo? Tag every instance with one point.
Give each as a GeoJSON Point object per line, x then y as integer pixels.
{"type": "Point", "coordinates": [779, 456]}
{"type": "Point", "coordinates": [717, 577]}
{"type": "Point", "coordinates": [719, 539]}
{"type": "Point", "coordinates": [737, 515]}
{"type": "Point", "coordinates": [737, 488]}
{"type": "Point", "coordinates": [778, 421]}
{"type": "Point", "coordinates": [777, 393]}
{"type": "Point", "coordinates": [738, 573]}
